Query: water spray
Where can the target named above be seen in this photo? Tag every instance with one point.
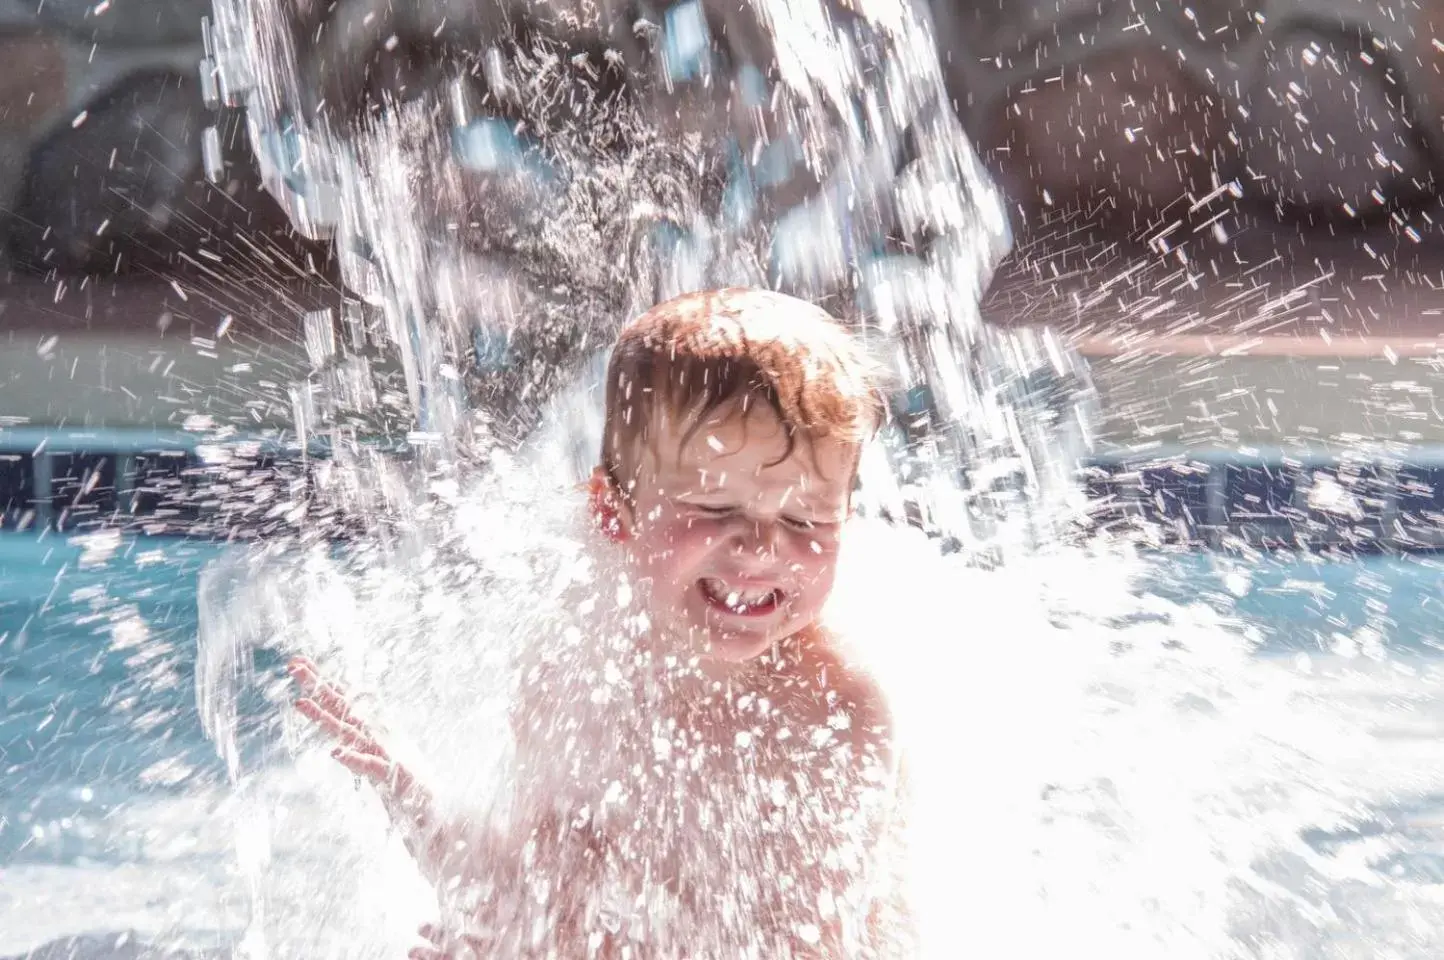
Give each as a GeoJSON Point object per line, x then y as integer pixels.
{"type": "Point", "coordinates": [897, 226]}
{"type": "Point", "coordinates": [496, 228]}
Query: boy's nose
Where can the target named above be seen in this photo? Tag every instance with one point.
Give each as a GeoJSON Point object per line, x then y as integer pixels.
{"type": "Point", "coordinates": [759, 541]}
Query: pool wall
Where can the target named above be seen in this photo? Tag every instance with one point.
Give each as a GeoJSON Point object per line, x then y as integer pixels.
{"type": "Point", "coordinates": [1264, 498]}
{"type": "Point", "coordinates": [150, 482]}
{"type": "Point", "coordinates": [188, 483]}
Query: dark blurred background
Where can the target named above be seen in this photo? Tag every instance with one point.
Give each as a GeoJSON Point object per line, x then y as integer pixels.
{"type": "Point", "coordinates": [1229, 190]}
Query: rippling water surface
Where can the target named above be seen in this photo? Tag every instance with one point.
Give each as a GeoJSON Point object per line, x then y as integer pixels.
{"type": "Point", "coordinates": [1139, 776]}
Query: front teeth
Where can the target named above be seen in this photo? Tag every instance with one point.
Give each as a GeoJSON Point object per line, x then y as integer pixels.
{"type": "Point", "coordinates": [735, 597]}
{"type": "Point", "coordinates": [738, 598]}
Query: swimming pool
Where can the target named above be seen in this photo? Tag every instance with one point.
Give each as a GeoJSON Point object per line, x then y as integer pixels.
{"type": "Point", "coordinates": [109, 786]}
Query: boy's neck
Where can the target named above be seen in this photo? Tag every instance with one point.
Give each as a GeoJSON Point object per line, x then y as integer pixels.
{"type": "Point", "coordinates": [701, 674]}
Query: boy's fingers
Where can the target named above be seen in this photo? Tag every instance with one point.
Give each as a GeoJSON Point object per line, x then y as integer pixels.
{"type": "Point", "coordinates": [431, 932]}
{"type": "Point", "coordinates": [337, 703]}
{"type": "Point", "coordinates": [393, 779]}
{"type": "Point", "coordinates": [404, 799]}
{"type": "Point", "coordinates": [357, 749]}
{"type": "Point", "coordinates": [368, 765]}
{"type": "Point", "coordinates": [348, 734]}
{"type": "Point", "coordinates": [303, 671]}
{"type": "Point", "coordinates": [300, 663]}
{"type": "Point", "coordinates": [328, 695]}
{"type": "Point", "coordinates": [327, 718]}
{"type": "Point", "coordinates": [426, 953]}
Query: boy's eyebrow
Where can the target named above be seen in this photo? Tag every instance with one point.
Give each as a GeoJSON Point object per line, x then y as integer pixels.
{"type": "Point", "coordinates": [704, 481]}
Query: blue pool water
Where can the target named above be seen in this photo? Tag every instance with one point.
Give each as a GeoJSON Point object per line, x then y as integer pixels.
{"type": "Point", "coordinates": [108, 786]}
{"type": "Point", "coordinates": [96, 687]}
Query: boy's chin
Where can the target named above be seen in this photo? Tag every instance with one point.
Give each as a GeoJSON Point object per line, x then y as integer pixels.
{"type": "Point", "coordinates": [733, 647]}
{"type": "Point", "coordinates": [740, 646]}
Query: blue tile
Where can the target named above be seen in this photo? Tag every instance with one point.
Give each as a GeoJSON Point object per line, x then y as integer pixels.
{"type": "Point", "coordinates": [17, 488]}
{"type": "Point", "coordinates": [1175, 496]}
{"type": "Point", "coordinates": [162, 494]}
{"type": "Point", "coordinates": [1260, 494]}
{"type": "Point", "coordinates": [1108, 487]}
{"type": "Point", "coordinates": [82, 490]}
{"type": "Point", "coordinates": [1170, 498]}
{"type": "Point", "coordinates": [1345, 506]}
{"type": "Point", "coordinates": [1421, 492]}
{"type": "Point", "coordinates": [1419, 502]}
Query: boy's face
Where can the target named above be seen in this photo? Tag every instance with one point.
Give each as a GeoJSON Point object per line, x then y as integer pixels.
{"type": "Point", "coordinates": [738, 540]}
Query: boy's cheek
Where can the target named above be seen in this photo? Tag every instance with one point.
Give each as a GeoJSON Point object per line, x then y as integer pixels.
{"type": "Point", "coordinates": [815, 550]}
{"type": "Point", "coordinates": [676, 546]}
{"type": "Point", "coordinates": [821, 578]}
{"type": "Point", "coordinates": [654, 522]}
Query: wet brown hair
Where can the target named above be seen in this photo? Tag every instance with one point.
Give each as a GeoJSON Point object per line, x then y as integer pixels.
{"type": "Point", "coordinates": [690, 356]}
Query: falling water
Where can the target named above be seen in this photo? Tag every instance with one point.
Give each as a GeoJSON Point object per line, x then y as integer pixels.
{"type": "Point", "coordinates": [1089, 760]}
{"type": "Point", "coordinates": [457, 237]}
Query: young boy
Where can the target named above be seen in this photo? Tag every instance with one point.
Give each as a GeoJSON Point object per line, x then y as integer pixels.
{"type": "Point", "coordinates": [721, 781]}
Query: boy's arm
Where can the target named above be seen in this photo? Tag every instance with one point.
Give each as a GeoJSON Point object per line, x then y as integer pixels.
{"type": "Point", "coordinates": [888, 926]}
{"type": "Point", "coordinates": [433, 844]}
{"type": "Point", "coordinates": [482, 872]}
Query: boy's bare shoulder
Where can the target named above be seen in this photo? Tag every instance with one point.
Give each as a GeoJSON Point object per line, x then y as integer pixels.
{"type": "Point", "coordinates": [836, 669]}
{"type": "Point", "coordinates": [847, 688]}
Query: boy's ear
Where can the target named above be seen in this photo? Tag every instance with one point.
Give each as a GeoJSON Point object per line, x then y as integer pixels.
{"type": "Point", "coordinates": [606, 505]}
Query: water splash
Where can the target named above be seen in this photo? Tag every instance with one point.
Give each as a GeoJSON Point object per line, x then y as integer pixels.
{"type": "Point", "coordinates": [493, 252]}
{"type": "Point", "coordinates": [1091, 763]}
{"type": "Point", "coordinates": [458, 241]}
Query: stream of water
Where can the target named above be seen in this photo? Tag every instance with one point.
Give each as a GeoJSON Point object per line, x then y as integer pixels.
{"type": "Point", "coordinates": [1106, 758]}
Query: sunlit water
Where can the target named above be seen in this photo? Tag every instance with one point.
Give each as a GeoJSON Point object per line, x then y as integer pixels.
{"type": "Point", "coordinates": [1098, 767]}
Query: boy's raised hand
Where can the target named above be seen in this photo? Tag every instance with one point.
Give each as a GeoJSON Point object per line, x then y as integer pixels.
{"type": "Point", "coordinates": [407, 802]}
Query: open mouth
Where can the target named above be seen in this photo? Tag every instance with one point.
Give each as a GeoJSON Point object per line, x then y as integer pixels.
{"type": "Point", "coordinates": [737, 601]}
